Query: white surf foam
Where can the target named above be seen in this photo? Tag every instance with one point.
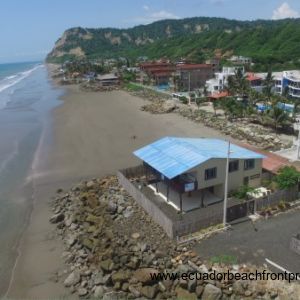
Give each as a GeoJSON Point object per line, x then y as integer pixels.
{"type": "Point", "coordinates": [12, 80]}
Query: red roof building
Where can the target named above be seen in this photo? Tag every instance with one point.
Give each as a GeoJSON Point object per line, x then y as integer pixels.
{"type": "Point", "coordinates": [219, 95]}
{"type": "Point", "coordinates": [272, 161]}
{"type": "Point", "coordinates": [254, 80]}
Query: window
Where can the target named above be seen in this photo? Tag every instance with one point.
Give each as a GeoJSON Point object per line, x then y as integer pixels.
{"type": "Point", "coordinates": [233, 166]}
{"type": "Point", "coordinates": [210, 173]}
{"type": "Point", "coordinates": [249, 164]}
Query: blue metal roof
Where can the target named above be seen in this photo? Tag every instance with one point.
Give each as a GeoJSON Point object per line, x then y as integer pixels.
{"type": "Point", "coordinates": [173, 156]}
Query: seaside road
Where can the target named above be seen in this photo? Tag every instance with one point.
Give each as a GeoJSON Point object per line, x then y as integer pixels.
{"type": "Point", "coordinates": [254, 243]}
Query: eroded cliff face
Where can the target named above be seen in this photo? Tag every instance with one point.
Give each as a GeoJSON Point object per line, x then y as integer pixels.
{"type": "Point", "coordinates": [181, 38]}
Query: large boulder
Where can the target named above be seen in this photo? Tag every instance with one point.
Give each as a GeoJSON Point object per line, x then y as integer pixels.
{"type": "Point", "coordinates": [149, 291]}
{"type": "Point", "coordinates": [211, 292]}
{"type": "Point", "coordinates": [184, 294]}
{"type": "Point", "coordinates": [57, 218]}
{"type": "Point", "coordinates": [143, 275]}
{"type": "Point", "coordinates": [99, 292]}
{"type": "Point", "coordinates": [120, 276]}
{"type": "Point", "coordinates": [72, 279]}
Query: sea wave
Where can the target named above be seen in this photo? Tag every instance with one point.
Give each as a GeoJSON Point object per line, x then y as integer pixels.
{"type": "Point", "coordinates": [12, 80]}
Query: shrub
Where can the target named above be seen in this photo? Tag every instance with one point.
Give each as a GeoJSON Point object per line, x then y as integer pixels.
{"type": "Point", "coordinates": [183, 99]}
{"type": "Point", "coordinates": [287, 177]}
{"type": "Point", "coordinates": [242, 192]}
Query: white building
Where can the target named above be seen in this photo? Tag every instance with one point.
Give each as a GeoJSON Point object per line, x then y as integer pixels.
{"type": "Point", "coordinates": [241, 60]}
{"type": "Point", "coordinates": [220, 81]}
{"type": "Point", "coordinates": [289, 80]}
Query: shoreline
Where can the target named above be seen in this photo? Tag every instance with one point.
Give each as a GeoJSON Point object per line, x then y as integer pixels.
{"type": "Point", "coordinates": [32, 180]}
{"type": "Point", "coordinates": [92, 135]}
{"type": "Point", "coordinates": [99, 129]}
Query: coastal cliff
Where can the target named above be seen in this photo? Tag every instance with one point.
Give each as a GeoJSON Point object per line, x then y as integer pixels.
{"type": "Point", "coordinates": [267, 42]}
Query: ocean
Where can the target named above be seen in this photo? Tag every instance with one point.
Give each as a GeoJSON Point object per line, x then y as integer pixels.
{"type": "Point", "coordinates": [26, 100]}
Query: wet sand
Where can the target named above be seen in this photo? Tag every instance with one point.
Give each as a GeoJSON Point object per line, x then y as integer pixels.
{"type": "Point", "coordinates": [91, 135]}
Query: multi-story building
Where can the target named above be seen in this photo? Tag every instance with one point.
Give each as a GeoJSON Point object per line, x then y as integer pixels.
{"type": "Point", "coordinates": [215, 62]}
{"type": "Point", "coordinates": [291, 82]}
{"type": "Point", "coordinates": [159, 72]}
{"type": "Point", "coordinates": [193, 76]}
{"type": "Point", "coordinates": [220, 81]}
{"type": "Point", "coordinates": [286, 81]}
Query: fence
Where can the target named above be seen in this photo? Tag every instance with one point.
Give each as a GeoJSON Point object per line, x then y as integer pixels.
{"type": "Point", "coordinates": [176, 225]}
{"type": "Point", "coordinates": [276, 197]}
{"type": "Point", "coordinates": [151, 207]}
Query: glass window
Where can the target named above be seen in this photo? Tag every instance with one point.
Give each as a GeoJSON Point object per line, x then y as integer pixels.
{"type": "Point", "coordinates": [233, 166]}
{"type": "Point", "coordinates": [210, 173]}
{"type": "Point", "coordinates": [249, 164]}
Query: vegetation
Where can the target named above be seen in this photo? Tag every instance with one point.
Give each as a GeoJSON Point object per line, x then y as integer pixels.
{"type": "Point", "coordinates": [243, 99]}
{"type": "Point", "coordinates": [242, 192]}
{"type": "Point", "coordinates": [128, 76]}
{"type": "Point", "coordinates": [224, 259]}
{"type": "Point", "coordinates": [84, 67]}
{"type": "Point", "coordinates": [271, 44]}
{"type": "Point", "coordinates": [133, 87]}
{"type": "Point", "coordinates": [287, 177]}
{"type": "Point", "coordinates": [184, 99]}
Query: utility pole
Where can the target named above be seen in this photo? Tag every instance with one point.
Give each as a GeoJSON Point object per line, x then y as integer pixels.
{"type": "Point", "coordinates": [226, 186]}
{"type": "Point", "coordinates": [189, 87]}
{"type": "Point", "coordinates": [298, 148]}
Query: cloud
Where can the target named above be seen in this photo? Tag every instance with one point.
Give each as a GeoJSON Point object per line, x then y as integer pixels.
{"type": "Point", "coordinates": [284, 11]}
{"type": "Point", "coordinates": [146, 7]}
{"type": "Point", "coordinates": [155, 16]}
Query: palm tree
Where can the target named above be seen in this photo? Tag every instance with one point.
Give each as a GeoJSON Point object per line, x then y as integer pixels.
{"type": "Point", "coordinates": [199, 101]}
{"type": "Point", "coordinates": [241, 82]}
{"type": "Point", "coordinates": [231, 87]}
{"type": "Point", "coordinates": [238, 84]}
{"type": "Point", "coordinates": [232, 108]}
{"type": "Point", "coordinates": [279, 116]}
{"type": "Point", "coordinates": [268, 86]}
{"type": "Point", "coordinates": [216, 105]}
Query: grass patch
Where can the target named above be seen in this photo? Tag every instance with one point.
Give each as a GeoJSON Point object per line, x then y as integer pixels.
{"type": "Point", "coordinates": [133, 87]}
{"type": "Point", "coordinates": [224, 259]}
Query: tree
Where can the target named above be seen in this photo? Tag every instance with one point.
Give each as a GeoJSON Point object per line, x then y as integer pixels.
{"type": "Point", "coordinates": [287, 177]}
{"type": "Point", "coordinates": [278, 116]}
{"type": "Point", "coordinates": [231, 87]}
{"type": "Point", "coordinates": [205, 92]}
{"type": "Point", "coordinates": [268, 86]}
{"type": "Point", "coordinates": [232, 108]}
{"type": "Point", "coordinates": [199, 101]}
{"type": "Point", "coordinates": [216, 105]}
{"type": "Point", "coordinates": [241, 83]}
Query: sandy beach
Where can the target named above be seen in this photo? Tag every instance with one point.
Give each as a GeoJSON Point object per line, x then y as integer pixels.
{"type": "Point", "coordinates": [91, 136]}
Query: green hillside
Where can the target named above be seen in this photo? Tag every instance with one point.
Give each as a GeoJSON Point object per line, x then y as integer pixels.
{"type": "Point", "coordinates": [275, 43]}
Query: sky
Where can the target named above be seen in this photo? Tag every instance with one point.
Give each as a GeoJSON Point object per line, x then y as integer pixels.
{"type": "Point", "coordinates": [29, 28]}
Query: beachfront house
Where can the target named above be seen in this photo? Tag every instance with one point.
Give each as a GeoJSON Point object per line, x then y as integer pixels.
{"type": "Point", "coordinates": [159, 72]}
{"type": "Point", "coordinates": [110, 79]}
{"type": "Point", "coordinates": [189, 173]}
{"type": "Point", "coordinates": [193, 76]}
{"type": "Point", "coordinates": [220, 81]}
